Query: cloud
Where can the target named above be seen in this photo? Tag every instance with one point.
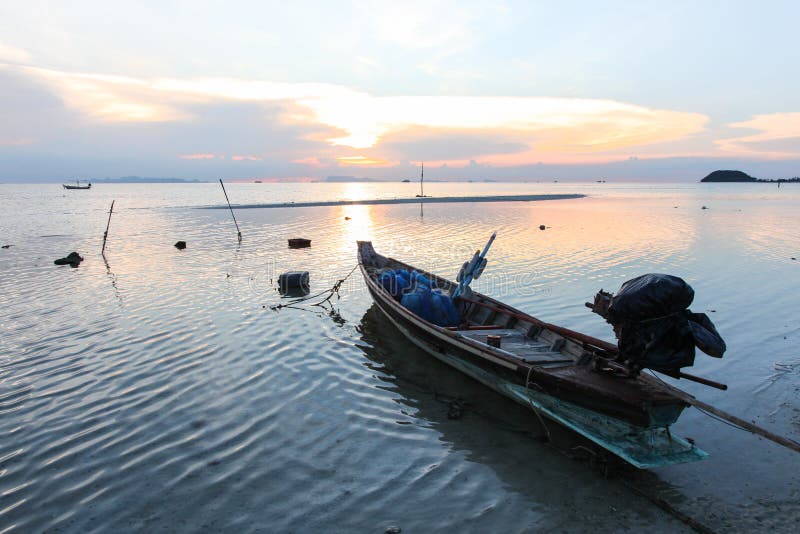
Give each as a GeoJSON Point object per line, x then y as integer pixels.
{"type": "Point", "coordinates": [565, 125]}
{"type": "Point", "coordinates": [110, 98]}
{"type": "Point", "coordinates": [442, 26]}
{"type": "Point", "coordinates": [558, 124]}
{"type": "Point", "coordinates": [368, 62]}
{"type": "Point", "coordinates": [287, 121]}
{"type": "Point", "coordinates": [18, 141]}
{"type": "Point", "coordinates": [445, 144]}
{"type": "Point", "coordinates": [246, 158]}
{"type": "Point", "coordinates": [12, 54]}
{"type": "Point", "coordinates": [362, 161]}
{"type": "Point", "coordinates": [197, 156]}
{"type": "Point", "coordinates": [778, 137]}
{"type": "Point", "coordinates": [310, 161]}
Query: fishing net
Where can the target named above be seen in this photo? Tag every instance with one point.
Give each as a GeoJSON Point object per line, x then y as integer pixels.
{"type": "Point", "coordinates": [420, 296]}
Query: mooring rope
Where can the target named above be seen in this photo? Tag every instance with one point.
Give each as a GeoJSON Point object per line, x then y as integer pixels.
{"type": "Point", "coordinates": [530, 400]}
{"type": "Point", "coordinates": [331, 292]}
{"type": "Point", "coordinates": [712, 416]}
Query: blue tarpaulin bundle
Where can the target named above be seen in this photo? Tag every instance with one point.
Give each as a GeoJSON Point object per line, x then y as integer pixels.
{"type": "Point", "coordinates": [415, 292]}
{"type": "Point", "coordinates": [395, 282]}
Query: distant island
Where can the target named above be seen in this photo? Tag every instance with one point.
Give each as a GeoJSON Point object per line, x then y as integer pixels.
{"type": "Point", "coordinates": [344, 179]}
{"type": "Point", "coordinates": [739, 176]}
{"type": "Point", "coordinates": [728, 176]}
{"type": "Point", "coordinates": [142, 180]}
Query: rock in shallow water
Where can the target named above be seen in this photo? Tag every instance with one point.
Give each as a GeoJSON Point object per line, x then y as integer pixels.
{"type": "Point", "coordinates": [180, 245]}
{"type": "Point", "coordinates": [73, 259]}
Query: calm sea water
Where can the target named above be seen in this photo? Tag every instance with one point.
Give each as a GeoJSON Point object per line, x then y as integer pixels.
{"type": "Point", "coordinates": [156, 390]}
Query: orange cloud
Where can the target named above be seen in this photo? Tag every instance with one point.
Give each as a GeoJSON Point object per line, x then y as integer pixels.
{"type": "Point", "coordinates": [197, 156]}
{"type": "Point", "coordinates": [111, 98]}
{"type": "Point", "coordinates": [16, 141]}
{"type": "Point", "coordinates": [778, 137]}
{"type": "Point", "coordinates": [362, 161]}
{"type": "Point", "coordinates": [549, 128]}
{"type": "Point", "coordinates": [310, 161]}
{"type": "Point", "coordinates": [560, 124]}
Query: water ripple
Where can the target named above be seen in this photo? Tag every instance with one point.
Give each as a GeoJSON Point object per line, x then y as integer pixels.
{"type": "Point", "coordinates": [156, 390]}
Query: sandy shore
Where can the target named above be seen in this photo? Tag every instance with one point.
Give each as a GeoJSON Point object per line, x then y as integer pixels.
{"type": "Point", "coordinates": [426, 200]}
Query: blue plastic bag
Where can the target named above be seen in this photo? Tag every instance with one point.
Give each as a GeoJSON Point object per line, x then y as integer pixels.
{"type": "Point", "coordinates": [418, 302]}
{"type": "Point", "coordinates": [395, 282]}
{"type": "Point", "coordinates": [444, 310]}
{"type": "Point", "coordinates": [434, 306]}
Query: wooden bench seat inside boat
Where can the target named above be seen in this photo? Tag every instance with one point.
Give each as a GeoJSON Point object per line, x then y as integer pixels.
{"type": "Point", "coordinates": [525, 348]}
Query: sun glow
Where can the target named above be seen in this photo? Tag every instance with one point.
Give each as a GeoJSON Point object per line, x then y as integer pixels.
{"type": "Point", "coordinates": [358, 225]}
{"type": "Point", "coordinates": [361, 161]}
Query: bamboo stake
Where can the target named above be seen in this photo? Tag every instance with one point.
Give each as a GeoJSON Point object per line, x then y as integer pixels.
{"type": "Point", "coordinates": [750, 427]}
{"type": "Point", "coordinates": [239, 232]}
{"type": "Point", "coordinates": [421, 178]}
{"type": "Point", "coordinates": [108, 224]}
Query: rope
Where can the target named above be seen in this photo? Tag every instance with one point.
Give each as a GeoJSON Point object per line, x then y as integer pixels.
{"type": "Point", "coordinates": [331, 292]}
{"type": "Point", "coordinates": [538, 415]}
{"type": "Point", "coordinates": [711, 415]}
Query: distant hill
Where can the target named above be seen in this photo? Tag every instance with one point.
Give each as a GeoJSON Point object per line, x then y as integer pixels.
{"type": "Point", "coordinates": [728, 176]}
{"type": "Point", "coordinates": [141, 180]}
{"type": "Point", "coordinates": [341, 179]}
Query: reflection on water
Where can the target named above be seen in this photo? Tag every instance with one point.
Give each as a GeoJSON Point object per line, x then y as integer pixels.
{"type": "Point", "coordinates": [358, 226]}
{"type": "Point", "coordinates": [159, 388]}
{"type": "Point", "coordinates": [536, 463]}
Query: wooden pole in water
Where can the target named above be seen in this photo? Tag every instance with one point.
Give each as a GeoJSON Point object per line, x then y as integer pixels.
{"type": "Point", "coordinates": [239, 232]}
{"type": "Point", "coordinates": [750, 427]}
{"type": "Point", "coordinates": [421, 179]}
{"type": "Point", "coordinates": [105, 234]}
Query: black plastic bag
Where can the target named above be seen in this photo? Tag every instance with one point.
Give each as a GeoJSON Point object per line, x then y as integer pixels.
{"type": "Point", "coordinates": [650, 296]}
{"type": "Point", "coordinates": [662, 345]}
{"type": "Point", "coordinates": [705, 335]}
{"type": "Point", "coordinates": [656, 330]}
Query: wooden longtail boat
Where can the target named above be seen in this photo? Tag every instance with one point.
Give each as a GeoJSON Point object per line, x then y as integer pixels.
{"type": "Point", "coordinates": [77, 185]}
{"type": "Point", "coordinates": [546, 367]}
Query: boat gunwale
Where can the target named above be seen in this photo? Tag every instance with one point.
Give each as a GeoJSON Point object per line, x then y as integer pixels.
{"type": "Point", "coordinates": [454, 336]}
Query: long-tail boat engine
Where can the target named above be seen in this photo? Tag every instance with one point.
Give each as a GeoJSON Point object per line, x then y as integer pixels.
{"type": "Point", "coordinates": [654, 327]}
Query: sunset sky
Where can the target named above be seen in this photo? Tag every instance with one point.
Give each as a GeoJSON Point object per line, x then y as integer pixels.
{"type": "Point", "coordinates": [478, 90]}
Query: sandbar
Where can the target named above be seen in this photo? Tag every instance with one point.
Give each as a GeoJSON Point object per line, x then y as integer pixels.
{"type": "Point", "coordinates": [417, 200]}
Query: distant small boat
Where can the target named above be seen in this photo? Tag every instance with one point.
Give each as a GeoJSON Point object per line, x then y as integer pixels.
{"type": "Point", "coordinates": [77, 185]}
{"type": "Point", "coordinates": [406, 181]}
